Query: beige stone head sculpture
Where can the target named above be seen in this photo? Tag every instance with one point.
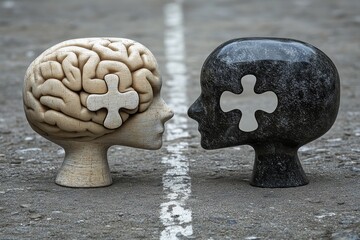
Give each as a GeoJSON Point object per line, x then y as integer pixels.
{"type": "Point", "coordinates": [89, 94]}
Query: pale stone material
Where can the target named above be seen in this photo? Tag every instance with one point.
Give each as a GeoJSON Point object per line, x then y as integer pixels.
{"type": "Point", "coordinates": [89, 94]}
{"type": "Point", "coordinates": [250, 103]}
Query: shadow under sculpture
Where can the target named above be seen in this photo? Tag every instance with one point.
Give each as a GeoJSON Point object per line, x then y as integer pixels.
{"type": "Point", "coordinates": [306, 84]}
{"type": "Point", "coordinates": [89, 94]}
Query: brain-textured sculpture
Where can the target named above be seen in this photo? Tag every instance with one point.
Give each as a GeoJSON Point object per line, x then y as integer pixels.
{"type": "Point", "coordinates": [59, 82]}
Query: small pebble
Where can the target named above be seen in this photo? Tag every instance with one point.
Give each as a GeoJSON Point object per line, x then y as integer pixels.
{"type": "Point", "coordinates": [330, 214]}
{"type": "Point", "coordinates": [305, 149]}
{"type": "Point", "coordinates": [36, 216]}
{"type": "Point", "coordinates": [15, 162]}
{"type": "Point", "coordinates": [232, 221]}
{"type": "Point", "coordinates": [23, 151]}
{"type": "Point", "coordinates": [29, 139]}
{"type": "Point", "coordinates": [31, 161]}
{"type": "Point", "coordinates": [334, 140]}
{"type": "Point", "coordinates": [25, 205]}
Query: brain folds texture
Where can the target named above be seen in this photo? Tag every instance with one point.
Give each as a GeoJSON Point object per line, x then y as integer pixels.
{"type": "Point", "coordinates": [59, 81]}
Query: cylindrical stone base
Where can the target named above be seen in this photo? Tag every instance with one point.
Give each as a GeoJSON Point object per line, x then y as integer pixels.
{"type": "Point", "coordinates": [277, 166]}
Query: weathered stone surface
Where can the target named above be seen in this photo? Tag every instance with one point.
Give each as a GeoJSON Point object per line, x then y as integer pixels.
{"type": "Point", "coordinates": [306, 84]}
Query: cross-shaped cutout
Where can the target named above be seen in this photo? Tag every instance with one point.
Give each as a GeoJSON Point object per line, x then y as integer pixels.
{"type": "Point", "coordinates": [113, 101]}
{"type": "Point", "coordinates": [250, 102]}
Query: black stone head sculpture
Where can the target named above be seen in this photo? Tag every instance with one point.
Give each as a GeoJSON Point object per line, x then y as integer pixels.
{"type": "Point", "coordinates": [306, 84]}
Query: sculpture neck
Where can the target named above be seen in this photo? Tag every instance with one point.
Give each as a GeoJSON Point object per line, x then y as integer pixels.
{"type": "Point", "coordinates": [85, 165]}
{"type": "Point", "coordinates": [277, 165]}
{"type": "Point", "coordinates": [90, 153]}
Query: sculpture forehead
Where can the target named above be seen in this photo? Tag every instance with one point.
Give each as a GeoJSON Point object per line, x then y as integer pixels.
{"type": "Point", "coordinates": [269, 58]}
{"type": "Point", "coordinates": [239, 50]}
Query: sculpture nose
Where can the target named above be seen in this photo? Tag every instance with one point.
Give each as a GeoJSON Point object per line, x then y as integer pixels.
{"type": "Point", "coordinates": [168, 113]}
{"type": "Point", "coordinates": [196, 109]}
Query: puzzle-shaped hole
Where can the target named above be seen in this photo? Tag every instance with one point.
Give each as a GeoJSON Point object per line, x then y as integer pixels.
{"type": "Point", "coordinates": [248, 102]}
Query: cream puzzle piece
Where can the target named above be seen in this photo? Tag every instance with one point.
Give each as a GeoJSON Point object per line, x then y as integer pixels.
{"type": "Point", "coordinates": [113, 101]}
{"type": "Point", "coordinates": [89, 94]}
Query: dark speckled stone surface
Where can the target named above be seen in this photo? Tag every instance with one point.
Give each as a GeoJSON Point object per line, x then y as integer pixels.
{"type": "Point", "coordinates": [306, 83]}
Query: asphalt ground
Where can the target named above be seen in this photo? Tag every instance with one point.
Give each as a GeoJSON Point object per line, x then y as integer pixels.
{"type": "Point", "coordinates": [218, 202]}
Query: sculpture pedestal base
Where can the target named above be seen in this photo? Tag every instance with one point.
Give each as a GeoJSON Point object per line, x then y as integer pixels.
{"type": "Point", "coordinates": [85, 165]}
{"type": "Point", "coordinates": [277, 166]}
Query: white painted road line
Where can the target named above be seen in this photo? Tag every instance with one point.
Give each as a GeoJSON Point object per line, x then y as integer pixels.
{"type": "Point", "coordinates": [175, 215]}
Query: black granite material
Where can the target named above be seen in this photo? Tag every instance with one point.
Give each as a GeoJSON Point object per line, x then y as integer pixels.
{"type": "Point", "coordinates": [307, 86]}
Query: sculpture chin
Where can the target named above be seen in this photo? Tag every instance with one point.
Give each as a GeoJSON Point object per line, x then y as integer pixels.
{"type": "Point", "coordinates": [205, 144]}
{"type": "Point", "coordinates": [155, 146]}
